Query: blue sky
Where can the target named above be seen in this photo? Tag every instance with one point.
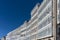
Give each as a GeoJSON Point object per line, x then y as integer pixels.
{"type": "Point", "coordinates": [13, 13]}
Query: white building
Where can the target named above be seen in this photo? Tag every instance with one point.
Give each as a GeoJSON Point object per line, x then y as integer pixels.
{"type": "Point", "coordinates": [39, 26]}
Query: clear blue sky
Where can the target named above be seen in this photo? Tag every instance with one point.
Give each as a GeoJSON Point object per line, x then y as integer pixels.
{"type": "Point", "coordinates": [13, 13]}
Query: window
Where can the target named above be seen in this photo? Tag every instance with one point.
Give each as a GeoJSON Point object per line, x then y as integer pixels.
{"type": "Point", "coordinates": [47, 31]}
{"type": "Point", "coordinates": [45, 22]}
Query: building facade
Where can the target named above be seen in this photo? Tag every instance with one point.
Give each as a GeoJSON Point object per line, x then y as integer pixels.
{"type": "Point", "coordinates": [40, 26]}
{"type": "Point", "coordinates": [17, 34]}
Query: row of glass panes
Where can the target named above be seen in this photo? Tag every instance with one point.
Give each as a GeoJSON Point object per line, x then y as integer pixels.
{"type": "Point", "coordinates": [46, 10]}
{"type": "Point", "coordinates": [45, 21]}
{"type": "Point", "coordinates": [46, 32]}
{"type": "Point", "coordinates": [45, 2]}
{"type": "Point", "coordinates": [45, 14]}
